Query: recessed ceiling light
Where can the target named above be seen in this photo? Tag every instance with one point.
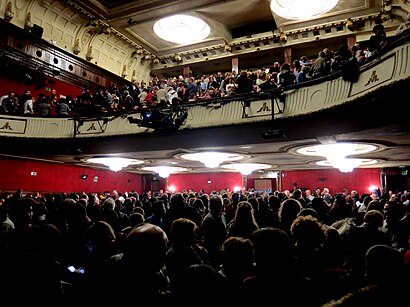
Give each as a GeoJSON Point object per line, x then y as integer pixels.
{"type": "Point", "coordinates": [115, 163]}
{"type": "Point", "coordinates": [212, 159]}
{"type": "Point", "coordinates": [346, 149]}
{"type": "Point", "coordinates": [301, 9]}
{"type": "Point", "coordinates": [347, 165]}
{"type": "Point", "coordinates": [246, 168]}
{"type": "Point", "coordinates": [182, 29]}
{"type": "Point", "coordinates": [164, 171]}
{"type": "Point", "coordinates": [338, 154]}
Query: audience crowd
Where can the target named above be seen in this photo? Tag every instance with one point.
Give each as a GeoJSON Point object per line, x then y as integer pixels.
{"type": "Point", "coordinates": [182, 90]}
{"type": "Point", "coordinates": [191, 248]}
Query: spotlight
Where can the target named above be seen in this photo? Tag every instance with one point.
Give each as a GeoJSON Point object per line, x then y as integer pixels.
{"type": "Point", "coordinates": [179, 121]}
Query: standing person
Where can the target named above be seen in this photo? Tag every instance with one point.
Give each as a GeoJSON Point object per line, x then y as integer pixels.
{"type": "Point", "coordinates": [62, 107]}
{"type": "Point", "coordinates": [128, 101]}
{"type": "Point", "coordinates": [9, 103]}
{"type": "Point", "coordinates": [22, 101]}
{"type": "Point", "coordinates": [213, 230]}
{"type": "Point", "coordinates": [42, 108]}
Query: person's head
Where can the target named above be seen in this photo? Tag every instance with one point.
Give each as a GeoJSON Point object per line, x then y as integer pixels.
{"type": "Point", "coordinates": [183, 232]}
{"type": "Point", "coordinates": [385, 265]}
{"type": "Point", "coordinates": [145, 247]}
{"type": "Point", "coordinates": [177, 201]}
{"type": "Point", "coordinates": [215, 203]}
{"type": "Point", "coordinates": [307, 232]}
{"type": "Point", "coordinates": [373, 218]}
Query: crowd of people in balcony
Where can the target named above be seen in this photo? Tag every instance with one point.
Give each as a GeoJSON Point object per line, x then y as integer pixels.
{"type": "Point", "coordinates": [183, 248]}
{"type": "Point", "coordinates": [181, 90]}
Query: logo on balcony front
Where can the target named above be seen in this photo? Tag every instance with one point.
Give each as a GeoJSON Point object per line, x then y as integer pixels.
{"type": "Point", "coordinates": [6, 126]}
{"type": "Point", "coordinates": [373, 78]}
{"type": "Point", "coordinates": [264, 108]}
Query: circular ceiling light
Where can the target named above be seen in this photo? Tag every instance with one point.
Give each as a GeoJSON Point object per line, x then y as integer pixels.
{"type": "Point", "coordinates": [348, 164]}
{"type": "Point", "coordinates": [115, 163]}
{"type": "Point", "coordinates": [336, 149]}
{"type": "Point", "coordinates": [301, 9]}
{"type": "Point", "coordinates": [246, 168]}
{"type": "Point", "coordinates": [212, 159]}
{"type": "Point", "coordinates": [182, 29]}
{"type": "Point", "coordinates": [164, 171]}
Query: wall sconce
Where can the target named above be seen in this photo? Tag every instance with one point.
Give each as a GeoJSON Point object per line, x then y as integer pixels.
{"type": "Point", "coordinates": [133, 77]}
{"type": "Point", "coordinates": [8, 13]}
{"type": "Point", "coordinates": [350, 24]}
{"type": "Point", "coordinates": [27, 23]}
{"type": "Point", "coordinates": [76, 47]}
{"type": "Point", "coordinates": [124, 71]}
{"type": "Point", "coordinates": [282, 37]}
{"type": "Point", "coordinates": [178, 58]}
{"type": "Point", "coordinates": [89, 56]}
{"type": "Point", "coordinates": [227, 48]}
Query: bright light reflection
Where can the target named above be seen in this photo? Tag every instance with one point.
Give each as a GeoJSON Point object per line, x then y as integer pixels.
{"type": "Point", "coordinates": [115, 163]}
{"type": "Point", "coordinates": [182, 29]}
{"type": "Point", "coordinates": [172, 188]}
{"type": "Point", "coordinates": [373, 188]}
{"type": "Point", "coordinates": [164, 171]}
{"type": "Point", "coordinates": [246, 168]}
{"type": "Point", "coordinates": [236, 189]}
{"type": "Point", "coordinates": [347, 164]}
{"type": "Point", "coordinates": [212, 159]}
{"type": "Point", "coordinates": [301, 9]}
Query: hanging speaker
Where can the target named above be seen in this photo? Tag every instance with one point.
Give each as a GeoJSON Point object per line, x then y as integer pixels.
{"type": "Point", "coordinates": [36, 30]}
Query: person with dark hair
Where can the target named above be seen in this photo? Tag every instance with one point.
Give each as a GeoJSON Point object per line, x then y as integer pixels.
{"type": "Point", "coordinates": [276, 271]}
{"type": "Point", "coordinates": [184, 250]}
{"type": "Point", "coordinates": [138, 269]}
{"type": "Point", "coordinates": [244, 223]}
{"type": "Point", "coordinates": [213, 229]}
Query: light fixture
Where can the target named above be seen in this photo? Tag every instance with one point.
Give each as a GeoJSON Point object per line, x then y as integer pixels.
{"type": "Point", "coordinates": [282, 37]}
{"type": "Point", "coordinates": [212, 159]}
{"type": "Point", "coordinates": [350, 24]}
{"type": "Point", "coordinates": [337, 154]}
{"type": "Point", "coordinates": [347, 164]}
{"type": "Point", "coordinates": [115, 163]}
{"type": "Point", "coordinates": [301, 9]}
{"type": "Point", "coordinates": [246, 168]}
{"type": "Point", "coordinates": [182, 29]}
{"type": "Point", "coordinates": [164, 171]}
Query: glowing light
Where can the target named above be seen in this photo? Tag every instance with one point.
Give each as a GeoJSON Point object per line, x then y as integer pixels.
{"type": "Point", "coordinates": [301, 9]}
{"type": "Point", "coordinates": [115, 163]}
{"type": "Point", "coordinates": [373, 188]}
{"type": "Point", "coordinates": [337, 154]}
{"type": "Point", "coordinates": [172, 188]}
{"type": "Point", "coordinates": [246, 168]}
{"type": "Point", "coordinates": [182, 29]}
{"type": "Point", "coordinates": [237, 189]}
{"type": "Point", "coordinates": [164, 171]}
{"type": "Point", "coordinates": [212, 159]}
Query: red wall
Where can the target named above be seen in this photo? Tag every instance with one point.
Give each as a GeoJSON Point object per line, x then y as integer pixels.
{"type": "Point", "coordinates": [51, 177]}
{"type": "Point", "coordinates": [61, 88]}
{"type": "Point", "coordinates": [359, 180]}
{"type": "Point", "coordinates": [196, 182]}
